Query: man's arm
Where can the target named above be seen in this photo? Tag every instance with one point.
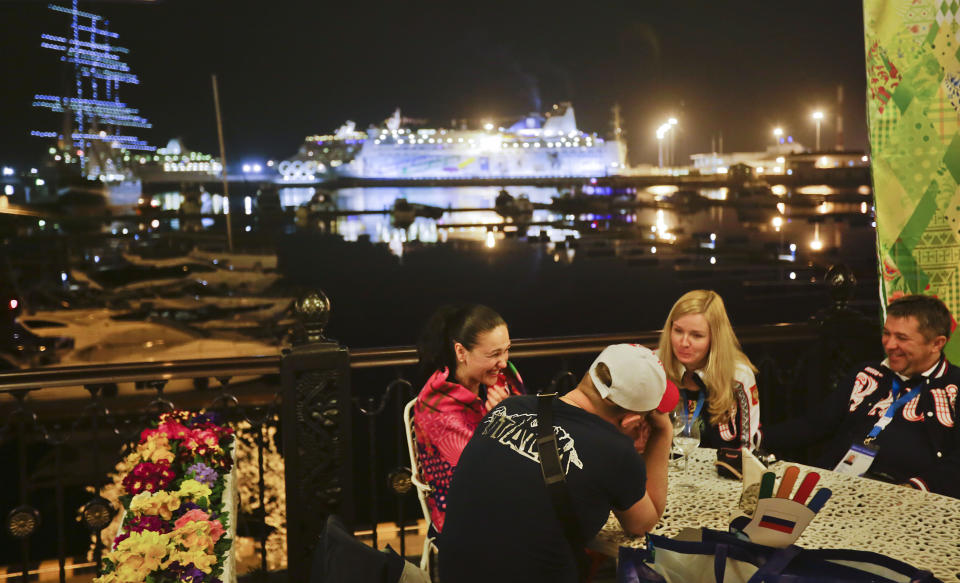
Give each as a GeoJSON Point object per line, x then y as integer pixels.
{"type": "Point", "coordinates": [943, 477]}
{"type": "Point", "coordinates": [812, 426]}
{"type": "Point", "coordinates": [643, 516]}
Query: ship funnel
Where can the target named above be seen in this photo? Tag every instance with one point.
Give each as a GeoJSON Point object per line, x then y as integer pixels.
{"type": "Point", "coordinates": [346, 129]}
{"type": "Point", "coordinates": [561, 124]}
{"type": "Point", "coordinates": [393, 122]}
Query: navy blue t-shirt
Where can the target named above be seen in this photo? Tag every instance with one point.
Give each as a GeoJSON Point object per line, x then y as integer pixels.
{"type": "Point", "coordinates": [500, 523]}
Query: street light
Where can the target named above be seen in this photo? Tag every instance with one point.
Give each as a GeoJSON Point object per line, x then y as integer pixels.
{"type": "Point", "coordinates": [672, 122]}
{"type": "Point", "coordinates": [661, 133]}
{"type": "Point", "coordinates": [818, 117]}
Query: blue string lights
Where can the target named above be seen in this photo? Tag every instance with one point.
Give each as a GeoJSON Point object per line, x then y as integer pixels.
{"type": "Point", "coordinates": [95, 110]}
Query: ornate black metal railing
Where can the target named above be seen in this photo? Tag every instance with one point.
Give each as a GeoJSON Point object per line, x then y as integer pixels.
{"type": "Point", "coordinates": [333, 413]}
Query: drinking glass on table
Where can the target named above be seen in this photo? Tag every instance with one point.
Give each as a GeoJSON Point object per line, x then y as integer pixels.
{"type": "Point", "coordinates": [686, 434]}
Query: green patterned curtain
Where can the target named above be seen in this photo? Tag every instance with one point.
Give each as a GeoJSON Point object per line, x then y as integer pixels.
{"type": "Point", "coordinates": [913, 109]}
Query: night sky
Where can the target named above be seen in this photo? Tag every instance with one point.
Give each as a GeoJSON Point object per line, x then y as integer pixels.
{"type": "Point", "coordinates": [289, 69]}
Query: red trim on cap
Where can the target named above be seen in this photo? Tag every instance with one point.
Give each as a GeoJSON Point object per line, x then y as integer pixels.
{"type": "Point", "coordinates": [670, 398]}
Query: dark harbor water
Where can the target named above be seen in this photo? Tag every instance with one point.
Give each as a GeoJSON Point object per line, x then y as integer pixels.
{"type": "Point", "coordinates": [611, 272]}
{"type": "Point", "coordinates": [610, 262]}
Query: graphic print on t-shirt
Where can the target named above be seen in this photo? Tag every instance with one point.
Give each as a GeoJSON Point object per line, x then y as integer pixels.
{"type": "Point", "coordinates": [519, 432]}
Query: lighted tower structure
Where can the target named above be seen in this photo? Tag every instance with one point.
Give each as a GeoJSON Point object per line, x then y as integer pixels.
{"type": "Point", "coordinates": [93, 116]}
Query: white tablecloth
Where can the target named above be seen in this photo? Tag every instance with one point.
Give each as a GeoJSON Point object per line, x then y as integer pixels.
{"type": "Point", "coordinates": [919, 528]}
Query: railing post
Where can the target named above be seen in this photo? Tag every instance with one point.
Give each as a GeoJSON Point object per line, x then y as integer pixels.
{"type": "Point", "coordinates": [315, 423]}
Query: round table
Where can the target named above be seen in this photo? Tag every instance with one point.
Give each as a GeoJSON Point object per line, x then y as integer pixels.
{"type": "Point", "coordinates": [919, 528]}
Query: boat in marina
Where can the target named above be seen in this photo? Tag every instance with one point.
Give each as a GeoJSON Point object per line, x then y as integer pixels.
{"type": "Point", "coordinates": [548, 145]}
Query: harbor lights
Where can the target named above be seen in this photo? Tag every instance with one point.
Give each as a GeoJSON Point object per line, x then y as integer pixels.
{"type": "Point", "coordinates": [818, 117]}
{"type": "Point", "coordinates": [816, 244]}
{"type": "Point", "coordinates": [777, 136]}
{"type": "Point", "coordinates": [662, 132]}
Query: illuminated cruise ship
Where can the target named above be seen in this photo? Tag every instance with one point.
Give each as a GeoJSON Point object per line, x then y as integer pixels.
{"type": "Point", "coordinates": [536, 146]}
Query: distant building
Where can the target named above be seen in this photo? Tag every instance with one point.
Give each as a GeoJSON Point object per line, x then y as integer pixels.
{"type": "Point", "coordinates": [786, 159]}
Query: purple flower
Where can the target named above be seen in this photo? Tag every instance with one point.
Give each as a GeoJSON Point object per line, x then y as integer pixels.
{"type": "Point", "coordinates": [203, 474]}
{"type": "Point", "coordinates": [188, 573]}
{"type": "Point", "coordinates": [185, 507]}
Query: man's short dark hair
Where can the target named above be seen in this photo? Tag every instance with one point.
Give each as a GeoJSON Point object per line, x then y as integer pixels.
{"type": "Point", "coordinates": [933, 317]}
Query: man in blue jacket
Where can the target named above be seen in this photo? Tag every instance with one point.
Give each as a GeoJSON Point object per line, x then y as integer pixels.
{"type": "Point", "coordinates": [894, 420]}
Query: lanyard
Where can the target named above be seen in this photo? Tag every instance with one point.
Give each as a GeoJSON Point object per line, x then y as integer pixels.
{"type": "Point", "coordinates": [701, 398]}
{"type": "Point", "coordinates": [882, 423]}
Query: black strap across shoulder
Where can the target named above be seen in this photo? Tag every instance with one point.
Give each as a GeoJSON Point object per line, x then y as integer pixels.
{"type": "Point", "coordinates": [556, 480]}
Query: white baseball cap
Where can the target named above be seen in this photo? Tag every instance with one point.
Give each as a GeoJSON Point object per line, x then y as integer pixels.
{"type": "Point", "coordinates": [638, 381]}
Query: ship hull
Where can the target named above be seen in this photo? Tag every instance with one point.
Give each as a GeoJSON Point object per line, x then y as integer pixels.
{"type": "Point", "coordinates": [397, 162]}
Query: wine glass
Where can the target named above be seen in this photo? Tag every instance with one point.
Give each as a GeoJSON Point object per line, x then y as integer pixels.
{"type": "Point", "coordinates": [686, 434]}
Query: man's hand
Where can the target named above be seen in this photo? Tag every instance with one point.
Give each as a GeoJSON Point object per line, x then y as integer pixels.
{"type": "Point", "coordinates": [495, 395]}
{"type": "Point", "coordinates": [636, 428]}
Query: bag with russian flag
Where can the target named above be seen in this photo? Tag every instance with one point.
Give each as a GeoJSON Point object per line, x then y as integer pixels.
{"type": "Point", "coordinates": [711, 556]}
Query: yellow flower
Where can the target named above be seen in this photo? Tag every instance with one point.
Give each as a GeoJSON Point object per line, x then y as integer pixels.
{"type": "Point", "coordinates": [201, 560]}
{"type": "Point", "coordinates": [160, 504]}
{"type": "Point", "coordinates": [139, 555]}
{"type": "Point", "coordinates": [194, 535]}
{"type": "Point", "coordinates": [156, 448]}
{"type": "Point", "coordinates": [193, 489]}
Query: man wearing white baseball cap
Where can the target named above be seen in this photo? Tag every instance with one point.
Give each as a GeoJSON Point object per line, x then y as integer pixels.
{"type": "Point", "coordinates": [504, 524]}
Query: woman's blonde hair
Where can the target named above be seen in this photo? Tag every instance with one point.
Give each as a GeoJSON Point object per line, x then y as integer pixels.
{"type": "Point", "coordinates": [722, 357]}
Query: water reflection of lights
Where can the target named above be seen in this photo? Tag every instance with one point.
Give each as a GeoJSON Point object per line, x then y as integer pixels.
{"type": "Point", "coordinates": [662, 189]}
{"type": "Point", "coordinates": [821, 189]}
{"type": "Point", "coordinates": [863, 208]}
{"type": "Point", "coordinates": [653, 249]}
{"type": "Point", "coordinates": [396, 244]}
{"type": "Point", "coordinates": [778, 189]}
{"type": "Point", "coordinates": [864, 190]}
{"type": "Point", "coordinates": [661, 227]}
{"type": "Point", "coordinates": [816, 244]}
{"type": "Point", "coordinates": [777, 223]}
{"type": "Point", "coordinates": [715, 193]}
{"type": "Point", "coordinates": [781, 208]}
{"type": "Point", "coordinates": [491, 241]}
{"type": "Point", "coordinates": [713, 260]}
{"type": "Point", "coordinates": [793, 275]}
{"type": "Point", "coordinates": [825, 208]}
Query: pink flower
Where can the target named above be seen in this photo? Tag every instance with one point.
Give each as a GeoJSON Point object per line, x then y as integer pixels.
{"type": "Point", "coordinates": [194, 515]}
{"type": "Point", "coordinates": [216, 530]}
{"type": "Point", "coordinates": [173, 430]}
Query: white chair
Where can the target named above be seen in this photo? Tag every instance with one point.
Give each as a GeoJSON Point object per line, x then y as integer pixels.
{"type": "Point", "coordinates": [423, 489]}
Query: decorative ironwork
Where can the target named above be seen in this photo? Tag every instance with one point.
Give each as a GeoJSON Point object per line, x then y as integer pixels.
{"type": "Point", "coordinates": [312, 312]}
{"type": "Point", "coordinates": [316, 439]}
{"type": "Point", "coordinates": [399, 480]}
{"type": "Point", "coordinates": [97, 513]}
{"type": "Point", "coordinates": [23, 521]}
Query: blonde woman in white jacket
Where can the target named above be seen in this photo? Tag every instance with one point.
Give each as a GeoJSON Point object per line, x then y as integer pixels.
{"type": "Point", "coordinates": [702, 356]}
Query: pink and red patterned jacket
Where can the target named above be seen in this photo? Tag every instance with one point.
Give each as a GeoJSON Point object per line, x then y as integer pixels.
{"type": "Point", "coordinates": [444, 418]}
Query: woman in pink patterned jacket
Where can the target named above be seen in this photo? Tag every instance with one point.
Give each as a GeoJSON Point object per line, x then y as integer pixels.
{"type": "Point", "coordinates": [467, 348]}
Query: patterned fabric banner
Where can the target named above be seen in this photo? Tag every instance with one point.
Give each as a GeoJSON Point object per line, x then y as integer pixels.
{"type": "Point", "coordinates": [913, 115]}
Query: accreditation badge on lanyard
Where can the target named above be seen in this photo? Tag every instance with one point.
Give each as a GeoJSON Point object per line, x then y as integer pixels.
{"type": "Point", "coordinates": [860, 456]}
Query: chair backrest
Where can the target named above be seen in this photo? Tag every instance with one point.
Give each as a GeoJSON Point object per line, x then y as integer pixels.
{"type": "Point", "coordinates": [422, 488]}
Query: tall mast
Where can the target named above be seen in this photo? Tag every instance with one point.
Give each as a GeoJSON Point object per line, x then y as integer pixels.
{"type": "Point", "coordinates": [94, 113]}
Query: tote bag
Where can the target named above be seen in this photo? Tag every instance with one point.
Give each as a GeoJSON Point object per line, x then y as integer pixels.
{"type": "Point", "coordinates": [721, 557]}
